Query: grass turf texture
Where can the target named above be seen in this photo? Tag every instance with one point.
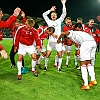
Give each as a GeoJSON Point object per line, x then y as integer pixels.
{"type": "Point", "coordinates": [49, 85]}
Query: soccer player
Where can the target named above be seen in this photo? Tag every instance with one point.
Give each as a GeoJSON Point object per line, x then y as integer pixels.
{"type": "Point", "coordinates": [11, 19]}
{"type": "Point", "coordinates": [87, 52]}
{"type": "Point", "coordinates": [77, 47]}
{"type": "Point", "coordinates": [93, 31]}
{"type": "Point", "coordinates": [67, 44]}
{"type": "Point", "coordinates": [27, 41]}
{"type": "Point", "coordinates": [44, 32]}
{"type": "Point", "coordinates": [6, 24]}
{"type": "Point", "coordinates": [52, 42]}
{"type": "Point", "coordinates": [98, 39]}
{"type": "Point", "coordinates": [17, 23]}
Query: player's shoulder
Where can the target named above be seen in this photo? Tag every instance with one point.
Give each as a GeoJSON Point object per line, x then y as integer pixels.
{"type": "Point", "coordinates": [34, 30]}
{"type": "Point", "coordinates": [21, 26]}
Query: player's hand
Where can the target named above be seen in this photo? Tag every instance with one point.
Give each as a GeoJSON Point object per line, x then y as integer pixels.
{"type": "Point", "coordinates": [53, 8]}
{"type": "Point", "coordinates": [63, 1]}
{"type": "Point", "coordinates": [94, 35]}
{"type": "Point", "coordinates": [22, 14]}
{"type": "Point", "coordinates": [55, 36]}
{"type": "Point", "coordinates": [15, 49]}
{"type": "Point", "coordinates": [38, 48]}
{"type": "Point", "coordinates": [4, 54]}
{"type": "Point", "coordinates": [58, 41]}
{"type": "Point", "coordinates": [16, 11]}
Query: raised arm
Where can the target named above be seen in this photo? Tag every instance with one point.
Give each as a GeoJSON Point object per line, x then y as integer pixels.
{"type": "Point", "coordinates": [11, 19]}
{"type": "Point", "coordinates": [63, 2]}
{"type": "Point", "coordinates": [23, 17]}
{"type": "Point", "coordinates": [45, 14]}
{"type": "Point", "coordinates": [53, 8]}
{"type": "Point", "coordinates": [63, 15]}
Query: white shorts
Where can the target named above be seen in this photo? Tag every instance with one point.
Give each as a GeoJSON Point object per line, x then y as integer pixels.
{"type": "Point", "coordinates": [43, 49]}
{"type": "Point", "coordinates": [54, 45]}
{"type": "Point", "coordinates": [23, 49]}
{"type": "Point", "coordinates": [87, 50]}
{"type": "Point", "coordinates": [67, 48]}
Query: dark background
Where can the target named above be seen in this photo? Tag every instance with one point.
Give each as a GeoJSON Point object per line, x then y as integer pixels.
{"type": "Point", "coordinates": [75, 8]}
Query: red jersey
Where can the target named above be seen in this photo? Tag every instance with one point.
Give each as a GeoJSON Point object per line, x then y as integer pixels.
{"type": "Point", "coordinates": [26, 37]}
{"type": "Point", "coordinates": [1, 36]}
{"type": "Point", "coordinates": [67, 41]}
{"type": "Point", "coordinates": [14, 29]}
{"type": "Point", "coordinates": [42, 34]}
{"type": "Point", "coordinates": [8, 23]}
{"type": "Point", "coordinates": [1, 47]}
{"type": "Point", "coordinates": [93, 33]}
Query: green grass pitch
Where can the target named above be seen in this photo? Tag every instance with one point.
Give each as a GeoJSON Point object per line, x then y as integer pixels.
{"type": "Point", "coordinates": [49, 85]}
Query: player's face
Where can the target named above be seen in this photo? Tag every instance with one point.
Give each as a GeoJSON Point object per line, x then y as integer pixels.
{"type": "Point", "coordinates": [68, 23]}
{"type": "Point", "coordinates": [91, 23]}
{"type": "Point", "coordinates": [28, 26]}
{"type": "Point", "coordinates": [49, 32]}
{"type": "Point", "coordinates": [53, 16]}
{"type": "Point", "coordinates": [17, 24]}
{"type": "Point", "coordinates": [1, 15]}
{"type": "Point", "coordinates": [79, 21]}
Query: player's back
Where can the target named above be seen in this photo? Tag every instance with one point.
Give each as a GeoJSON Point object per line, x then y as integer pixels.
{"type": "Point", "coordinates": [80, 37]}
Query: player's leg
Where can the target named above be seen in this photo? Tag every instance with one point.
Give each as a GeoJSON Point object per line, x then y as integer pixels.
{"type": "Point", "coordinates": [84, 72]}
{"type": "Point", "coordinates": [56, 61]}
{"type": "Point", "coordinates": [77, 57]}
{"type": "Point", "coordinates": [47, 59]}
{"type": "Point", "coordinates": [68, 49]}
{"type": "Point", "coordinates": [33, 55]}
{"type": "Point", "coordinates": [83, 57]}
{"type": "Point", "coordinates": [91, 67]}
{"type": "Point", "coordinates": [56, 56]}
{"type": "Point", "coordinates": [59, 60]}
{"type": "Point", "coordinates": [59, 51]}
{"type": "Point", "coordinates": [12, 55]}
{"type": "Point", "coordinates": [50, 46]}
{"type": "Point", "coordinates": [19, 65]}
{"type": "Point", "coordinates": [43, 50]}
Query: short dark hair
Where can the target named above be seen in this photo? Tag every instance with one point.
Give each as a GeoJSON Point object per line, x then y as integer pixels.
{"type": "Point", "coordinates": [79, 18]}
{"type": "Point", "coordinates": [78, 25]}
{"type": "Point", "coordinates": [51, 29]}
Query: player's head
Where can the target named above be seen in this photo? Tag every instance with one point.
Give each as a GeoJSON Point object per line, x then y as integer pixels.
{"type": "Point", "coordinates": [53, 15]}
{"type": "Point", "coordinates": [1, 13]}
{"type": "Point", "coordinates": [68, 21]}
{"type": "Point", "coordinates": [78, 27]}
{"type": "Point", "coordinates": [17, 23]}
{"type": "Point", "coordinates": [29, 23]}
{"type": "Point", "coordinates": [79, 20]}
{"type": "Point", "coordinates": [50, 30]}
{"type": "Point", "coordinates": [91, 22]}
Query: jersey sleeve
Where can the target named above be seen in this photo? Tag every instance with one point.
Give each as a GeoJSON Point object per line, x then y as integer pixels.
{"type": "Point", "coordinates": [8, 23]}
